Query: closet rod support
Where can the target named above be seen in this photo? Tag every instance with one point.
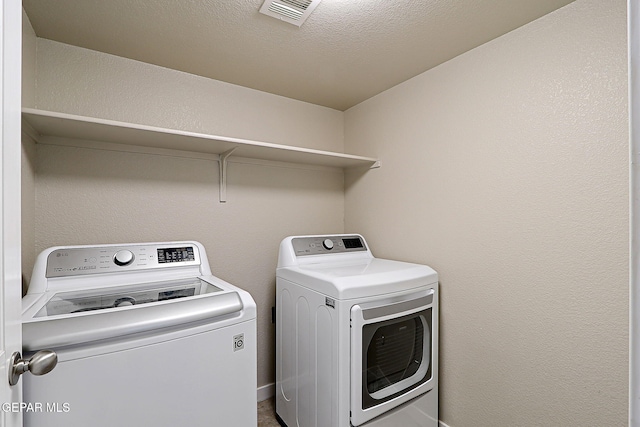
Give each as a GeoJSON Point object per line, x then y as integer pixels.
{"type": "Point", "coordinates": [223, 174]}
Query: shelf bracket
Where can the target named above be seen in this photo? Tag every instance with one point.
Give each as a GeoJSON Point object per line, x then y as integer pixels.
{"type": "Point", "coordinates": [223, 174]}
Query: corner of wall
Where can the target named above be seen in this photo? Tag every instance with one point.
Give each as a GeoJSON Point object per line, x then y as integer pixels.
{"type": "Point", "coordinates": [28, 197]}
{"type": "Point", "coordinates": [28, 168]}
{"type": "Point", "coordinates": [29, 43]}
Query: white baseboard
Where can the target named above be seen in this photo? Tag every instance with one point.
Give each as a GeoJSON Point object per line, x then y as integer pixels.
{"type": "Point", "coordinates": [268, 391]}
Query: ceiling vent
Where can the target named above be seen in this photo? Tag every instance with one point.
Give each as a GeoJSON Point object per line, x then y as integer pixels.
{"type": "Point", "coordinates": [292, 11]}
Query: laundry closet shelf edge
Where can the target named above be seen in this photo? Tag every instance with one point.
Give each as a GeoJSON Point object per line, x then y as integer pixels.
{"type": "Point", "coordinates": [56, 124]}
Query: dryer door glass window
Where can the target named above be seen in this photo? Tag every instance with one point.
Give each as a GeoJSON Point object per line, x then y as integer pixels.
{"type": "Point", "coordinates": [396, 357]}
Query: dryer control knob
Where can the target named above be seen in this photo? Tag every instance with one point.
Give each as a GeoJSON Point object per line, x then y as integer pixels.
{"type": "Point", "coordinates": [123, 258]}
{"type": "Point", "coordinates": [328, 244]}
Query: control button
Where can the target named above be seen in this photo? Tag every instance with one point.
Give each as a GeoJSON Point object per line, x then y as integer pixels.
{"type": "Point", "coordinates": [328, 244]}
{"type": "Point", "coordinates": [123, 258]}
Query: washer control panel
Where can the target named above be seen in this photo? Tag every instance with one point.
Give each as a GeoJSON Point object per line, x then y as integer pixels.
{"type": "Point", "coordinates": [114, 259]}
{"type": "Point", "coordinates": [321, 245]}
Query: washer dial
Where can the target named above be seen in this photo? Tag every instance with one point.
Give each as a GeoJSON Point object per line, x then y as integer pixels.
{"type": "Point", "coordinates": [123, 257]}
{"type": "Point", "coordinates": [328, 244]}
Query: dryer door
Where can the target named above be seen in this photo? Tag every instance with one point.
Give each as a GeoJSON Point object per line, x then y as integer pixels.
{"type": "Point", "coordinates": [391, 347]}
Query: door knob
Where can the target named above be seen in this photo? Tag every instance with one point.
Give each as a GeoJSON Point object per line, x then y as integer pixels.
{"type": "Point", "coordinates": [40, 363]}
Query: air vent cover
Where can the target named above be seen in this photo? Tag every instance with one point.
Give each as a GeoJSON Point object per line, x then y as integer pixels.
{"type": "Point", "coordinates": [292, 11]}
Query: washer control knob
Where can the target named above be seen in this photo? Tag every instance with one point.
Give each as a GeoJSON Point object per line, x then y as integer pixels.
{"type": "Point", "coordinates": [328, 244]}
{"type": "Point", "coordinates": [123, 258]}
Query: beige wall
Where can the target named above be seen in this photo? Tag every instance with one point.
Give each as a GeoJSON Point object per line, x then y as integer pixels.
{"type": "Point", "coordinates": [29, 41]}
{"type": "Point", "coordinates": [28, 201]}
{"type": "Point", "coordinates": [98, 194]}
{"type": "Point", "coordinates": [80, 81]}
{"type": "Point", "coordinates": [28, 152]}
{"type": "Point", "coordinates": [506, 169]}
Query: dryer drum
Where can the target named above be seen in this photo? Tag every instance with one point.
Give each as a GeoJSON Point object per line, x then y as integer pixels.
{"type": "Point", "coordinates": [393, 353]}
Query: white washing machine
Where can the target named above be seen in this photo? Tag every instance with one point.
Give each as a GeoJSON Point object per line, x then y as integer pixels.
{"type": "Point", "coordinates": [356, 336]}
{"type": "Point", "coordinates": [145, 336]}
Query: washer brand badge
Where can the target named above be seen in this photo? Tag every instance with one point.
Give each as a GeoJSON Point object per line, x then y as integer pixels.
{"type": "Point", "coordinates": [330, 302]}
{"type": "Point", "coordinates": [238, 342]}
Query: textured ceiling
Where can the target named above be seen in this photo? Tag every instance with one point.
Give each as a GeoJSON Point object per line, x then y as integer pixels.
{"type": "Point", "coordinates": [347, 51]}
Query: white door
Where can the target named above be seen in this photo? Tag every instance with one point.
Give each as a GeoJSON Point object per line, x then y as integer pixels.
{"type": "Point", "coordinates": [10, 259]}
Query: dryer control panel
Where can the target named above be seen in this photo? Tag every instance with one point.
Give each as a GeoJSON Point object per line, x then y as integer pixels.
{"type": "Point", "coordinates": [321, 245]}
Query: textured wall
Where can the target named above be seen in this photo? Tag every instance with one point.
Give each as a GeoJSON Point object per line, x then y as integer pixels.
{"type": "Point", "coordinates": [28, 202]}
{"type": "Point", "coordinates": [28, 166]}
{"type": "Point", "coordinates": [29, 41]}
{"type": "Point", "coordinates": [506, 169]}
{"type": "Point", "coordinates": [90, 196]}
{"type": "Point", "coordinates": [80, 81]}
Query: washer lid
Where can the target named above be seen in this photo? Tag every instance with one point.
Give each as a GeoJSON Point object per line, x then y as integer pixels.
{"type": "Point", "coordinates": [363, 278]}
{"type": "Point", "coordinates": [67, 323]}
{"type": "Point", "coordinates": [120, 297]}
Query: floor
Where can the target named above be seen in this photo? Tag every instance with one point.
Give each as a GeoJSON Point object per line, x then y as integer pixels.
{"type": "Point", "coordinates": [267, 414]}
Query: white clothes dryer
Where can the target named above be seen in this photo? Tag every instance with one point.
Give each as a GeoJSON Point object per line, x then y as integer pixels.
{"type": "Point", "coordinates": [145, 336]}
{"type": "Point", "coordinates": [356, 336]}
